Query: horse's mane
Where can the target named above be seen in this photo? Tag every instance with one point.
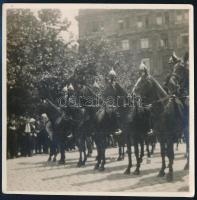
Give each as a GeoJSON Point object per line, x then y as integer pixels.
{"type": "Point", "coordinates": [156, 90]}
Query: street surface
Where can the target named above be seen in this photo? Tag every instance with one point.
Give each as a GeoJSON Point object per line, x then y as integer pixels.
{"type": "Point", "coordinates": [35, 174]}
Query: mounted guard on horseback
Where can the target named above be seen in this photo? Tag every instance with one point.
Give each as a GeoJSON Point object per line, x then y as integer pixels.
{"type": "Point", "coordinates": [166, 111]}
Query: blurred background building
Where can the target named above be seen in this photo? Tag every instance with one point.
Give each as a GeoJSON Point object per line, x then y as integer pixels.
{"type": "Point", "coordinates": [142, 35]}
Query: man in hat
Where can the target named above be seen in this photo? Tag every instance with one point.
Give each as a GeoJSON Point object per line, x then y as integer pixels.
{"type": "Point", "coordinates": [28, 135]}
{"type": "Point", "coordinates": [12, 137]}
{"type": "Point", "coordinates": [52, 139]}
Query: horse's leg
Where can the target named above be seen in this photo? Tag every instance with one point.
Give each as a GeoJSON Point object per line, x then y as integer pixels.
{"type": "Point", "coordinates": [88, 141]}
{"type": "Point", "coordinates": [119, 152]}
{"type": "Point", "coordinates": [152, 147]}
{"type": "Point", "coordinates": [186, 136]}
{"type": "Point", "coordinates": [177, 145]}
{"type": "Point", "coordinates": [153, 144]}
{"type": "Point", "coordinates": [102, 167]}
{"type": "Point", "coordinates": [50, 152]}
{"type": "Point", "coordinates": [79, 144]}
{"type": "Point", "coordinates": [123, 152]}
{"type": "Point", "coordinates": [98, 158]}
{"type": "Point", "coordinates": [142, 150]}
{"type": "Point", "coordinates": [163, 167]}
{"type": "Point", "coordinates": [54, 151]}
{"type": "Point", "coordinates": [84, 153]}
{"type": "Point", "coordinates": [62, 152]}
{"type": "Point", "coordinates": [170, 154]}
{"type": "Point", "coordinates": [147, 142]}
{"type": "Point", "coordinates": [137, 171]}
{"type": "Point", "coordinates": [127, 171]}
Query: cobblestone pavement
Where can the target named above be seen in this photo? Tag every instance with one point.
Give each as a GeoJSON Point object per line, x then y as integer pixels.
{"type": "Point", "coordinates": [35, 174]}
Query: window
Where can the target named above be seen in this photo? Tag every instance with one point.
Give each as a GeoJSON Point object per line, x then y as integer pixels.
{"type": "Point", "coordinates": [139, 22]}
{"type": "Point", "coordinates": [146, 61]}
{"type": "Point", "coordinates": [186, 16]}
{"type": "Point", "coordinates": [179, 19]}
{"type": "Point", "coordinates": [127, 23]}
{"type": "Point", "coordinates": [164, 41]}
{"type": "Point", "coordinates": [167, 18]}
{"type": "Point", "coordinates": [147, 22]}
{"type": "Point", "coordinates": [185, 39]}
{"type": "Point", "coordinates": [159, 20]}
{"type": "Point", "coordinates": [121, 24]}
{"type": "Point", "coordinates": [144, 43]}
{"type": "Point", "coordinates": [125, 45]}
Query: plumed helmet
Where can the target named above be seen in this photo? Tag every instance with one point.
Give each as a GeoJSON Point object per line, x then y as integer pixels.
{"type": "Point", "coordinates": [143, 67]}
{"type": "Point", "coordinates": [112, 73]}
{"type": "Point", "coordinates": [44, 115]}
{"type": "Point", "coordinates": [70, 87]}
{"type": "Point", "coordinates": [95, 85]}
{"type": "Point", "coordinates": [186, 56]}
{"type": "Point", "coordinates": [65, 89]}
{"type": "Point", "coordinates": [174, 58]}
{"type": "Point", "coordinates": [32, 120]}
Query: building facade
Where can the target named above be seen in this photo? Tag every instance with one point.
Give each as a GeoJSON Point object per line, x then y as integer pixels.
{"type": "Point", "coordinates": [143, 35]}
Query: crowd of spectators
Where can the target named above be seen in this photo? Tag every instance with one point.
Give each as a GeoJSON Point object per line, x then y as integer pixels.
{"type": "Point", "coordinates": [26, 136]}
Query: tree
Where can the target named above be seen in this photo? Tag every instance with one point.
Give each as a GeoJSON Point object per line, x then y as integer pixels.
{"type": "Point", "coordinates": [37, 58]}
{"type": "Point", "coordinates": [101, 54]}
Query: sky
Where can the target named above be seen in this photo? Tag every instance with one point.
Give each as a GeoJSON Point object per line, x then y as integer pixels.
{"type": "Point", "coordinates": [70, 15]}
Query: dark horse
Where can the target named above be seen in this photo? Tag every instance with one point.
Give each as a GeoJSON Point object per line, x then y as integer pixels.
{"type": "Point", "coordinates": [167, 118]}
{"type": "Point", "coordinates": [177, 83]}
{"type": "Point", "coordinates": [102, 121]}
{"type": "Point", "coordinates": [61, 124]}
{"type": "Point", "coordinates": [135, 124]}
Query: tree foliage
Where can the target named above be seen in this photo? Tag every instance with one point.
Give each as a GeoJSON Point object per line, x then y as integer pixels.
{"type": "Point", "coordinates": [38, 61]}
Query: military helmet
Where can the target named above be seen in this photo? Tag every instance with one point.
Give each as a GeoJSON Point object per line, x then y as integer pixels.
{"type": "Point", "coordinates": [174, 58]}
{"type": "Point", "coordinates": [112, 72]}
{"type": "Point", "coordinates": [70, 87]}
{"type": "Point", "coordinates": [143, 67]}
{"type": "Point", "coordinates": [65, 89]}
{"type": "Point", "coordinates": [95, 85]}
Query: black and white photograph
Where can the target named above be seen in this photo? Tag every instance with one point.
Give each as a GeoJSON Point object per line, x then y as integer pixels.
{"type": "Point", "coordinates": [98, 99]}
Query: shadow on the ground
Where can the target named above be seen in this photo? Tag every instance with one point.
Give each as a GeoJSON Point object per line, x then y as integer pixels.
{"type": "Point", "coordinates": [89, 171]}
{"type": "Point", "coordinates": [184, 189]}
{"type": "Point", "coordinates": [151, 181]}
{"type": "Point", "coordinates": [118, 176]}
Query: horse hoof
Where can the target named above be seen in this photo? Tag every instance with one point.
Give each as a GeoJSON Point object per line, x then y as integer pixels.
{"type": "Point", "coordinates": [79, 164]}
{"type": "Point", "coordinates": [148, 161]}
{"type": "Point", "coordinates": [101, 169]}
{"type": "Point", "coordinates": [61, 162]}
{"type": "Point", "coordinates": [49, 160]}
{"type": "Point", "coordinates": [127, 171]}
{"type": "Point", "coordinates": [140, 160]}
{"type": "Point", "coordinates": [83, 163]}
{"type": "Point", "coordinates": [161, 174]}
{"type": "Point", "coordinates": [89, 155]}
{"type": "Point", "coordinates": [169, 177]}
{"type": "Point", "coordinates": [136, 172]}
{"type": "Point", "coordinates": [119, 159]}
{"type": "Point", "coordinates": [186, 166]}
{"type": "Point", "coordinates": [54, 159]}
{"type": "Point", "coordinates": [96, 167]}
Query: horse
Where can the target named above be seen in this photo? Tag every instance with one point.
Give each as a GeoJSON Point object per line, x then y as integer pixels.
{"type": "Point", "coordinates": [103, 118]}
{"type": "Point", "coordinates": [61, 124]}
{"type": "Point", "coordinates": [178, 84]}
{"type": "Point", "coordinates": [167, 115]}
{"type": "Point", "coordinates": [135, 126]}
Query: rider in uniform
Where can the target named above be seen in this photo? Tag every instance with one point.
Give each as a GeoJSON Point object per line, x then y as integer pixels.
{"type": "Point", "coordinates": [113, 95]}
